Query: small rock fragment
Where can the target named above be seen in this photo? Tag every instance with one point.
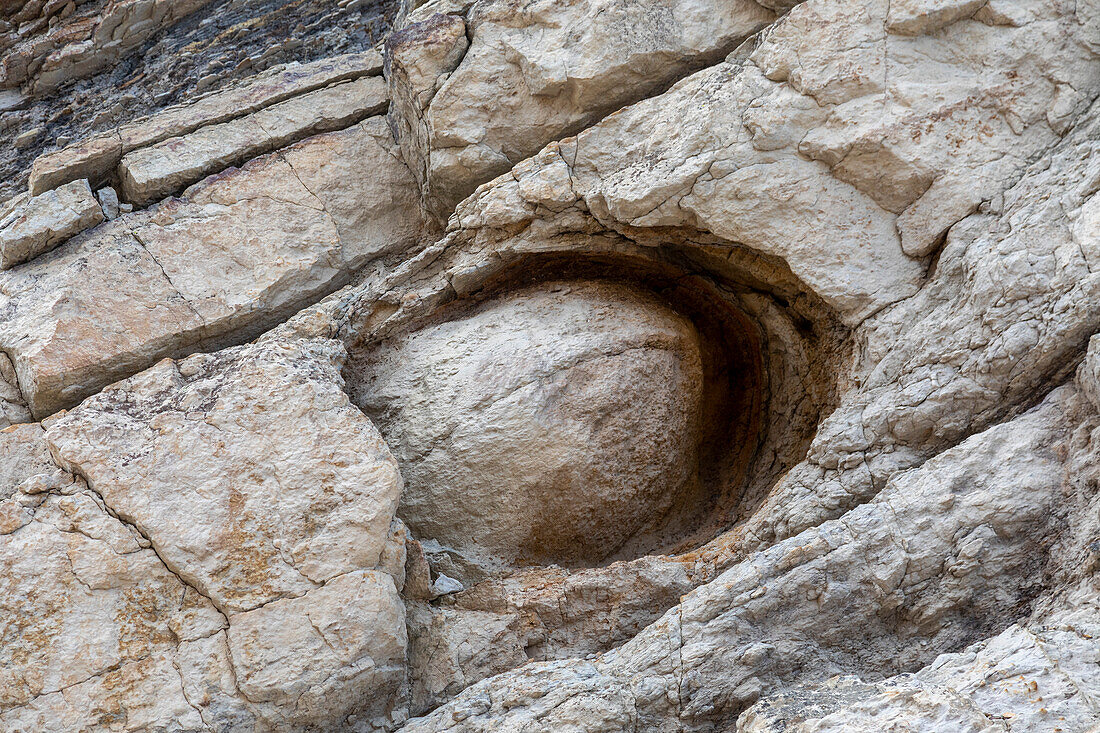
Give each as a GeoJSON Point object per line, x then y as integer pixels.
{"type": "Point", "coordinates": [445, 585]}
{"type": "Point", "coordinates": [108, 199]}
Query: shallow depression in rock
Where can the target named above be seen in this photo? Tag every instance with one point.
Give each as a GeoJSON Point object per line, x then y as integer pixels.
{"type": "Point", "coordinates": [551, 424]}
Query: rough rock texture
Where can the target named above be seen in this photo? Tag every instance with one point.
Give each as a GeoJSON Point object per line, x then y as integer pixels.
{"type": "Point", "coordinates": [758, 391]}
{"type": "Point", "coordinates": [46, 220]}
{"type": "Point", "coordinates": [216, 45]}
{"type": "Point", "coordinates": [470, 111]}
{"type": "Point", "coordinates": [233, 255]}
{"type": "Point", "coordinates": [521, 426]}
{"type": "Point", "coordinates": [96, 157]}
{"type": "Point", "coordinates": [251, 591]}
{"type": "Point", "coordinates": [153, 173]}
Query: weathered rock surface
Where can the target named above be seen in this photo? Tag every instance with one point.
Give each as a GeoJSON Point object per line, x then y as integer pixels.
{"type": "Point", "coordinates": [84, 43]}
{"type": "Point", "coordinates": [280, 516]}
{"type": "Point", "coordinates": [550, 425]}
{"type": "Point", "coordinates": [214, 599]}
{"type": "Point", "coordinates": [467, 112]}
{"type": "Point", "coordinates": [1043, 677]}
{"type": "Point", "coordinates": [47, 220]}
{"type": "Point", "coordinates": [926, 562]}
{"type": "Point", "coordinates": [235, 254]}
{"type": "Point", "coordinates": [221, 45]}
{"type": "Point", "coordinates": [96, 157]}
{"type": "Point", "coordinates": [152, 173]}
{"type": "Point", "coordinates": [769, 402]}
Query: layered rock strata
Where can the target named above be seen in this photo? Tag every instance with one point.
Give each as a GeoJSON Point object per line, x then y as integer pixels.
{"type": "Point", "coordinates": [759, 391]}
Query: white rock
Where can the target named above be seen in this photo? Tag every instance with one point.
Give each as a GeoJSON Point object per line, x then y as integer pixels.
{"type": "Point", "coordinates": [46, 221]}
{"type": "Point", "coordinates": [335, 653]}
{"type": "Point", "coordinates": [445, 585]}
{"type": "Point", "coordinates": [108, 201]}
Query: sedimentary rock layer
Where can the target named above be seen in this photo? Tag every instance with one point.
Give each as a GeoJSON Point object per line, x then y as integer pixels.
{"type": "Point", "coordinates": [645, 368]}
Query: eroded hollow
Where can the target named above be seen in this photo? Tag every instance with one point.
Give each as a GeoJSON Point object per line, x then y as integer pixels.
{"type": "Point", "coordinates": [550, 424]}
{"type": "Point", "coordinates": [575, 411]}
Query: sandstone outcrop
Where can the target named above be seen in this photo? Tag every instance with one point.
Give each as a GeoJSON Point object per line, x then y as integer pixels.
{"type": "Point", "coordinates": [232, 256]}
{"type": "Point", "coordinates": [604, 367]}
{"type": "Point", "coordinates": [192, 605]}
{"type": "Point", "coordinates": [511, 423]}
{"type": "Point", "coordinates": [45, 221]}
{"type": "Point", "coordinates": [468, 111]}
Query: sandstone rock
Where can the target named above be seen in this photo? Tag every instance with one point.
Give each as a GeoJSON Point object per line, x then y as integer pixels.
{"type": "Point", "coordinates": [25, 454]}
{"type": "Point", "coordinates": [88, 42]}
{"type": "Point", "coordinates": [258, 513]}
{"type": "Point", "coordinates": [467, 115]}
{"type": "Point", "coordinates": [941, 548]}
{"type": "Point", "coordinates": [873, 226]}
{"type": "Point", "coordinates": [46, 221]}
{"type": "Point", "coordinates": [335, 654]}
{"type": "Point", "coordinates": [152, 173]}
{"type": "Point", "coordinates": [98, 629]}
{"type": "Point", "coordinates": [95, 158]}
{"type": "Point", "coordinates": [13, 408]}
{"type": "Point", "coordinates": [92, 621]}
{"type": "Point", "coordinates": [50, 312]}
{"type": "Point", "coordinates": [790, 126]}
{"type": "Point", "coordinates": [510, 422]}
{"type": "Point", "coordinates": [108, 201]}
{"type": "Point", "coordinates": [239, 252]}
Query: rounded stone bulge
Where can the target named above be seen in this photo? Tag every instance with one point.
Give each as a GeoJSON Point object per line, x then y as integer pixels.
{"type": "Point", "coordinates": [551, 424]}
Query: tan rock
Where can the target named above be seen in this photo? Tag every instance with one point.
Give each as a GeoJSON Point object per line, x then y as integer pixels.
{"type": "Point", "coordinates": [88, 42]}
{"type": "Point", "coordinates": [152, 173]}
{"type": "Point", "coordinates": [240, 252]}
{"type": "Point", "coordinates": [13, 408]}
{"type": "Point", "coordinates": [97, 157]}
{"type": "Point", "coordinates": [932, 552]}
{"type": "Point", "coordinates": [1041, 676]}
{"type": "Point", "coordinates": [91, 621]}
{"type": "Point", "coordinates": [102, 288]}
{"type": "Point", "coordinates": [286, 484]}
{"type": "Point", "coordinates": [23, 454]}
{"type": "Point", "coordinates": [531, 78]}
{"type": "Point", "coordinates": [46, 221]}
{"type": "Point", "coordinates": [336, 654]}
{"type": "Point", "coordinates": [914, 17]}
{"type": "Point", "coordinates": [510, 422]}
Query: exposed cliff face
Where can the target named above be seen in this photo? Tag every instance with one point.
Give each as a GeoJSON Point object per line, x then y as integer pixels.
{"type": "Point", "coordinates": [71, 68]}
{"type": "Point", "coordinates": [569, 365]}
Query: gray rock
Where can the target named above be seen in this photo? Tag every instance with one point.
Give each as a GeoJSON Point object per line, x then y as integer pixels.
{"type": "Point", "coordinates": [108, 200]}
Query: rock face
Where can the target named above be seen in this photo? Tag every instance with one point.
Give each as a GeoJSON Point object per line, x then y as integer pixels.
{"type": "Point", "coordinates": [574, 366]}
{"type": "Point", "coordinates": [43, 222]}
{"type": "Point", "coordinates": [550, 425]}
{"type": "Point", "coordinates": [118, 297]}
{"type": "Point", "coordinates": [126, 58]}
{"type": "Point", "coordinates": [470, 111]}
{"type": "Point", "coordinates": [257, 583]}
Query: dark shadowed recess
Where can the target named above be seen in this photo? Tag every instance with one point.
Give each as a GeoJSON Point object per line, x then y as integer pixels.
{"type": "Point", "coordinates": [773, 358]}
